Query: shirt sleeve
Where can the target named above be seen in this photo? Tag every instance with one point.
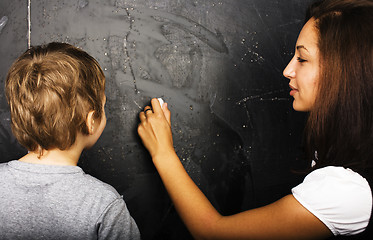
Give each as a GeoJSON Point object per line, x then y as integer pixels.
{"type": "Point", "coordinates": [339, 197]}
{"type": "Point", "coordinates": [117, 223]}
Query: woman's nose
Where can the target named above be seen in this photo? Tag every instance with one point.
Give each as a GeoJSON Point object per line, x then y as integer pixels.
{"type": "Point", "coordinates": [289, 71]}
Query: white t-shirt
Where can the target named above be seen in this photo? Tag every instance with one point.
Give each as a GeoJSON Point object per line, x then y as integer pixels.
{"type": "Point", "coordinates": [339, 197]}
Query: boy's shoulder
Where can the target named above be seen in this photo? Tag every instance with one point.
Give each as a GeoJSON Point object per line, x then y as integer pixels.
{"type": "Point", "coordinates": [92, 183]}
{"type": "Point", "coordinates": [66, 180]}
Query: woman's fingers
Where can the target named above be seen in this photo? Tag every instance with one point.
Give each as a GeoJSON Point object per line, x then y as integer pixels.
{"type": "Point", "coordinates": [156, 105]}
{"type": "Point", "coordinates": [167, 113]}
{"type": "Point", "coordinates": [158, 109]}
{"type": "Point", "coordinates": [155, 128]}
{"type": "Point", "coordinates": [148, 110]}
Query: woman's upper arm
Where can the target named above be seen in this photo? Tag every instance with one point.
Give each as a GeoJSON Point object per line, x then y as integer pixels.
{"type": "Point", "coordinates": [283, 219]}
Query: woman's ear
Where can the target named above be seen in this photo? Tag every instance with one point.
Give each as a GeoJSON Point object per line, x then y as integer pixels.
{"type": "Point", "coordinates": [90, 122]}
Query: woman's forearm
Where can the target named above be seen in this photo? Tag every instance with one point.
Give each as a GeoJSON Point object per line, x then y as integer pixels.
{"type": "Point", "coordinates": [193, 207]}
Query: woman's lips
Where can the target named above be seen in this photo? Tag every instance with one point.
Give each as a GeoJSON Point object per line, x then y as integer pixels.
{"type": "Point", "coordinates": [293, 90]}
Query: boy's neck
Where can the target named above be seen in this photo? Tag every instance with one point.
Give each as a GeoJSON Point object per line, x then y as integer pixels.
{"type": "Point", "coordinates": [53, 157]}
{"type": "Point", "coordinates": [69, 157]}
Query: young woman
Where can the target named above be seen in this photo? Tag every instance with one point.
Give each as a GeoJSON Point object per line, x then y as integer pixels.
{"type": "Point", "coordinates": [331, 77]}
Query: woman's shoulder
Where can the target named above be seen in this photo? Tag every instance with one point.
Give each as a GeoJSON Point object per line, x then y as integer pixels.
{"type": "Point", "coordinates": [340, 197]}
{"type": "Point", "coordinates": [336, 182]}
{"type": "Point", "coordinates": [336, 173]}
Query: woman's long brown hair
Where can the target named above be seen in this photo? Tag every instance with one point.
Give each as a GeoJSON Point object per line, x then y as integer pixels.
{"type": "Point", "coordinates": [340, 125]}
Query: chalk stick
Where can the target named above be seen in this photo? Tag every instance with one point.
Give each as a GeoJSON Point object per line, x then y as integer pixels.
{"type": "Point", "coordinates": [160, 101]}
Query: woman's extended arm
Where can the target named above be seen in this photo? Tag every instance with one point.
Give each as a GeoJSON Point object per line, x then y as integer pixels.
{"type": "Point", "coordinates": [283, 219]}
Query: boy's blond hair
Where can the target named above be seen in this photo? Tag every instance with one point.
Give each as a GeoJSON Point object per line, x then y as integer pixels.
{"type": "Point", "coordinates": [50, 90]}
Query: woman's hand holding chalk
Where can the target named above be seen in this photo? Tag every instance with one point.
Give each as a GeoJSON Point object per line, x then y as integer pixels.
{"type": "Point", "coordinates": [155, 129]}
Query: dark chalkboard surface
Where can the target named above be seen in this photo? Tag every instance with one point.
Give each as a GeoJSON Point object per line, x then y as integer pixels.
{"type": "Point", "coordinates": [219, 66]}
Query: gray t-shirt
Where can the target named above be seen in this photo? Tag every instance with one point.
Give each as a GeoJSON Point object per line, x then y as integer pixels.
{"type": "Point", "coordinates": [60, 202]}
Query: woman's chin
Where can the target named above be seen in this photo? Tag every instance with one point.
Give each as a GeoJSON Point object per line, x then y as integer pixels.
{"type": "Point", "coordinates": [299, 107]}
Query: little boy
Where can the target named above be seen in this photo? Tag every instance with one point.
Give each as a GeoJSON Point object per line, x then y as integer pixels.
{"type": "Point", "coordinates": [56, 95]}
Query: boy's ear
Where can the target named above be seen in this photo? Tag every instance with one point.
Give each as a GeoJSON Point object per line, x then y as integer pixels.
{"type": "Point", "coordinates": [90, 122]}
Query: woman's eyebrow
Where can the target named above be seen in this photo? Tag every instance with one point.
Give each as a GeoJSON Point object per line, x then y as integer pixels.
{"type": "Point", "coordinates": [302, 47]}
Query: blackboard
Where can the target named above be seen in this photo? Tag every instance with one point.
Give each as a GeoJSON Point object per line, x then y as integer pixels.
{"type": "Point", "coordinates": [219, 66]}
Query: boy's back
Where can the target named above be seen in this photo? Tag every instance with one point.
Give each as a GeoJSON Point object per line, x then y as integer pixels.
{"type": "Point", "coordinates": [60, 202]}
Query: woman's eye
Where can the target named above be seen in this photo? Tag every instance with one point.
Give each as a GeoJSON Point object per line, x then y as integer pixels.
{"type": "Point", "coordinates": [301, 60]}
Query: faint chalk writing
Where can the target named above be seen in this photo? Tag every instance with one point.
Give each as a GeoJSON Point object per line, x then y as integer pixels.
{"type": "Point", "coordinates": [82, 3]}
{"type": "Point", "coordinates": [214, 40]}
{"type": "Point", "coordinates": [3, 22]}
{"type": "Point", "coordinates": [264, 97]}
{"type": "Point", "coordinates": [29, 23]}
